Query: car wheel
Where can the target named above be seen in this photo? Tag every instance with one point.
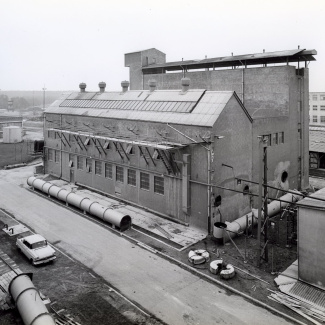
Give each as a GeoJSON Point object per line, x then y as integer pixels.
{"type": "Point", "coordinates": [19, 250]}
{"type": "Point", "coordinates": [31, 260]}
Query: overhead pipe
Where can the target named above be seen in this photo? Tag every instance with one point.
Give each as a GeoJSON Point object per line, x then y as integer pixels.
{"type": "Point", "coordinates": [107, 214]}
{"type": "Point", "coordinates": [28, 301]}
{"type": "Point", "coordinates": [239, 225]}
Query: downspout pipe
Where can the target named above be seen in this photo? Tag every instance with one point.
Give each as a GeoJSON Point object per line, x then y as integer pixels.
{"type": "Point", "coordinates": [107, 214]}
{"type": "Point", "coordinates": [28, 301]}
{"type": "Point", "coordinates": [239, 225]}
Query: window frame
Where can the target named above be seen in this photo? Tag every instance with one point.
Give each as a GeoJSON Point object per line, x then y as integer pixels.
{"type": "Point", "coordinates": [157, 187]}
{"type": "Point", "coordinates": [119, 176]}
{"type": "Point", "coordinates": [56, 156]}
{"type": "Point", "coordinates": [80, 162]}
{"type": "Point", "coordinates": [144, 183]}
{"type": "Point", "coordinates": [132, 179]}
{"type": "Point", "coordinates": [98, 168]}
{"type": "Point", "coordinates": [89, 165]}
{"type": "Point", "coordinates": [108, 171]}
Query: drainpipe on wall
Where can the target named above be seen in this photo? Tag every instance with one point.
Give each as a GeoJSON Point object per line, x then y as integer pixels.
{"type": "Point", "coordinates": [302, 133]}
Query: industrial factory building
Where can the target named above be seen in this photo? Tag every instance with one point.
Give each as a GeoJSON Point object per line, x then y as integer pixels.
{"type": "Point", "coordinates": [273, 87]}
{"type": "Point", "coordinates": [184, 146]}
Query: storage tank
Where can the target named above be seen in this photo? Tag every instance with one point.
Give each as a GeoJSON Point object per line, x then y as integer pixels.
{"type": "Point", "coordinates": [12, 134]}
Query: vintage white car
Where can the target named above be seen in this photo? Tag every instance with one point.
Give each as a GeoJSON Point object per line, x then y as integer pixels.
{"type": "Point", "coordinates": [36, 248]}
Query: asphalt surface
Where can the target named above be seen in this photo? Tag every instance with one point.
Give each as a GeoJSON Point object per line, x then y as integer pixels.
{"type": "Point", "coordinates": [162, 288]}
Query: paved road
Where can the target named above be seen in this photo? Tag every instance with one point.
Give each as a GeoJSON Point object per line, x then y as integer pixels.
{"type": "Point", "coordinates": [167, 291]}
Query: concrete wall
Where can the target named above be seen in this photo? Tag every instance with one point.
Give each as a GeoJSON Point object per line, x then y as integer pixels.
{"type": "Point", "coordinates": [311, 254]}
{"type": "Point", "coordinates": [16, 153]}
{"type": "Point", "coordinates": [136, 60]}
{"type": "Point", "coordinates": [234, 150]}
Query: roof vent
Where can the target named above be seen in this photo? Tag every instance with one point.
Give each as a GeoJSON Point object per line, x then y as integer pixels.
{"type": "Point", "coordinates": [185, 84]}
{"type": "Point", "coordinates": [125, 85]}
{"type": "Point", "coordinates": [102, 86]}
{"type": "Point", "coordinates": [82, 87]}
{"type": "Point", "coordinates": [152, 85]}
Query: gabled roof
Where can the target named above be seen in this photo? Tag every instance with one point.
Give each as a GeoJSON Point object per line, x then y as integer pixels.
{"type": "Point", "coordinates": [194, 107]}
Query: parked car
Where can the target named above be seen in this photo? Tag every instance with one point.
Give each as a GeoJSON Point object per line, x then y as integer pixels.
{"type": "Point", "coordinates": [36, 248]}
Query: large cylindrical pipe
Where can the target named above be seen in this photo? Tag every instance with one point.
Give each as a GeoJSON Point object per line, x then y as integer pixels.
{"type": "Point", "coordinates": [74, 199]}
{"type": "Point", "coordinates": [115, 217]}
{"type": "Point", "coordinates": [107, 214]}
{"type": "Point", "coordinates": [54, 191]}
{"type": "Point", "coordinates": [28, 301]}
{"type": "Point", "coordinates": [239, 225]}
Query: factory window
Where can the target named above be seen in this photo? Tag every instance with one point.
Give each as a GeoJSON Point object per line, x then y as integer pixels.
{"type": "Point", "coordinates": [106, 145]}
{"type": "Point", "coordinates": [57, 156]}
{"type": "Point", "coordinates": [109, 171]}
{"type": "Point", "coordinates": [275, 138]}
{"type": "Point", "coordinates": [144, 181]}
{"type": "Point", "coordinates": [322, 119]}
{"type": "Point", "coordinates": [80, 162]}
{"type": "Point", "coordinates": [156, 154]}
{"type": "Point", "coordinates": [98, 167]}
{"type": "Point", "coordinates": [71, 159]}
{"type": "Point", "coordinates": [267, 139]}
{"type": "Point", "coordinates": [314, 107]}
{"type": "Point", "coordinates": [87, 142]}
{"type": "Point", "coordinates": [89, 165]}
{"type": "Point", "coordinates": [322, 97]}
{"type": "Point", "coordinates": [132, 180]}
{"type": "Point", "coordinates": [281, 137]}
{"type": "Point", "coordinates": [315, 118]}
{"type": "Point", "coordinates": [159, 185]}
{"type": "Point", "coordinates": [322, 107]}
{"type": "Point", "coordinates": [130, 149]}
{"type": "Point", "coordinates": [50, 154]}
{"type": "Point", "coordinates": [119, 174]}
{"type": "Point", "coordinates": [314, 97]}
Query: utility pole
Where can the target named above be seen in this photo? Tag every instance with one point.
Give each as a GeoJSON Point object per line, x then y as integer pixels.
{"type": "Point", "coordinates": [262, 202]}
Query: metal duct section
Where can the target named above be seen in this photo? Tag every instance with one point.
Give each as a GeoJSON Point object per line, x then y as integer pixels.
{"type": "Point", "coordinates": [238, 226]}
{"type": "Point", "coordinates": [114, 217]}
{"type": "Point", "coordinates": [28, 301]}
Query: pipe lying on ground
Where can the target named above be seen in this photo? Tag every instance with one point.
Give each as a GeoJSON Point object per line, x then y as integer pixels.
{"type": "Point", "coordinates": [239, 225]}
{"type": "Point", "coordinates": [107, 214]}
{"type": "Point", "coordinates": [28, 301]}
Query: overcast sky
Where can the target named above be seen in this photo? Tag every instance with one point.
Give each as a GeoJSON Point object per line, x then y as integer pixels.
{"type": "Point", "coordinates": [61, 43]}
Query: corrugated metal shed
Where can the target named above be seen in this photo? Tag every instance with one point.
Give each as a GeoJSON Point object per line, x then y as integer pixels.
{"type": "Point", "coordinates": [196, 107]}
{"type": "Point", "coordinates": [317, 140]}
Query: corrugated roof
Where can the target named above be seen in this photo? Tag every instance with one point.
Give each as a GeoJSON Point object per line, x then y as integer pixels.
{"type": "Point", "coordinates": [317, 139]}
{"type": "Point", "coordinates": [195, 107]}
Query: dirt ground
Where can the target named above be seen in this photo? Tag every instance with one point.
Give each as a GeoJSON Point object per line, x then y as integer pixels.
{"type": "Point", "coordinates": [72, 287]}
